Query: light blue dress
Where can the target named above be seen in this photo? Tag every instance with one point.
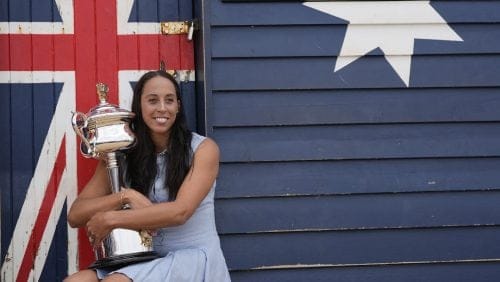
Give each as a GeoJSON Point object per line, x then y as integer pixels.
{"type": "Point", "coordinates": [190, 252]}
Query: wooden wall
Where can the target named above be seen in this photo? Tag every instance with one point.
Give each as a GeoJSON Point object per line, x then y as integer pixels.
{"type": "Point", "coordinates": [355, 174]}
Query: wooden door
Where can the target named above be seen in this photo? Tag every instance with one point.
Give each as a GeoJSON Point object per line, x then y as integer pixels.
{"type": "Point", "coordinates": [53, 52]}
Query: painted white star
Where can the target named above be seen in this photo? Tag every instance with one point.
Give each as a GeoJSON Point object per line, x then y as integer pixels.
{"type": "Point", "coordinates": [391, 26]}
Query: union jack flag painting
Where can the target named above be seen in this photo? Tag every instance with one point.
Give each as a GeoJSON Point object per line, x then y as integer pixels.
{"type": "Point", "coordinates": [53, 52]}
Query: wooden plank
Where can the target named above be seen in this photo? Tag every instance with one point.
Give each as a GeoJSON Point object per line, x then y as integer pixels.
{"type": "Point", "coordinates": [365, 72]}
{"type": "Point", "coordinates": [155, 11]}
{"type": "Point", "coordinates": [189, 103]}
{"type": "Point", "coordinates": [367, 247]}
{"type": "Point", "coordinates": [4, 12]}
{"type": "Point", "coordinates": [44, 10]}
{"type": "Point", "coordinates": [19, 11]}
{"type": "Point", "coordinates": [7, 222]}
{"type": "Point", "coordinates": [185, 10]}
{"type": "Point", "coordinates": [326, 40]}
{"type": "Point", "coordinates": [356, 176]}
{"type": "Point", "coordinates": [308, 107]}
{"type": "Point", "coordinates": [367, 211]}
{"type": "Point", "coordinates": [45, 98]}
{"type": "Point", "coordinates": [23, 155]}
{"type": "Point", "coordinates": [286, 13]}
{"type": "Point", "coordinates": [429, 272]}
{"type": "Point", "coordinates": [358, 142]}
{"type": "Point", "coordinates": [56, 267]}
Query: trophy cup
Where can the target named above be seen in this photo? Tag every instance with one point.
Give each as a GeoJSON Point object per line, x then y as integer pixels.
{"type": "Point", "coordinates": [104, 132]}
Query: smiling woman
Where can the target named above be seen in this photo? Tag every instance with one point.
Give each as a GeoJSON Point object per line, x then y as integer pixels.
{"type": "Point", "coordinates": [170, 177]}
{"type": "Point", "coordinates": [159, 106]}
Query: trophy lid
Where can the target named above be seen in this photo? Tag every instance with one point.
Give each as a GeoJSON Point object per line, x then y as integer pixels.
{"type": "Point", "coordinates": [105, 109]}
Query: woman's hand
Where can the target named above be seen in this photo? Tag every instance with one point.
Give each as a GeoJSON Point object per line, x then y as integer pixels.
{"type": "Point", "coordinates": [98, 227]}
{"type": "Point", "coordinates": [134, 199]}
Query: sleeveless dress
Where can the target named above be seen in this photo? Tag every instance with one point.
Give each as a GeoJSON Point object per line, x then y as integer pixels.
{"type": "Point", "coordinates": [189, 252]}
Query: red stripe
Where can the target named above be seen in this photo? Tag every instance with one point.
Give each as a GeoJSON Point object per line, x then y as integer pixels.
{"type": "Point", "coordinates": [186, 53]}
{"type": "Point", "coordinates": [43, 215]}
{"type": "Point", "coordinates": [85, 72]}
{"type": "Point", "coordinates": [145, 51]}
{"type": "Point", "coordinates": [133, 52]}
{"type": "Point", "coordinates": [36, 52]}
{"type": "Point", "coordinates": [106, 46]}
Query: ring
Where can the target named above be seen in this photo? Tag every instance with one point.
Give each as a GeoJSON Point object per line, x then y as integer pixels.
{"type": "Point", "coordinates": [91, 239]}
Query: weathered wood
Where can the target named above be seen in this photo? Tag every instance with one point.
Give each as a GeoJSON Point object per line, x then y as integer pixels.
{"type": "Point", "coordinates": [325, 40]}
{"type": "Point", "coordinates": [290, 13]}
{"type": "Point", "coordinates": [429, 272]}
{"type": "Point", "coordinates": [381, 141]}
{"type": "Point", "coordinates": [362, 247]}
{"type": "Point", "coordinates": [290, 73]}
{"type": "Point", "coordinates": [356, 176]}
{"type": "Point", "coordinates": [355, 106]}
{"type": "Point", "coordinates": [358, 212]}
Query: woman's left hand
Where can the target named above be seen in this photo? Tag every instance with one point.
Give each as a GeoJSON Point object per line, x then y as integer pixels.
{"type": "Point", "coordinates": [98, 227]}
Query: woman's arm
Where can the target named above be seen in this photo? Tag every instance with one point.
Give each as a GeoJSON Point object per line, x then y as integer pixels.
{"type": "Point", "coordinates": [95, 197]}
{"type": "Point", "coordinates": [193, 190]}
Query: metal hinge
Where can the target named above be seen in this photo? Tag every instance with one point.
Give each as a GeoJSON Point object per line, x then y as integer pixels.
{"type": "Point", "coordinates": [185, 27]}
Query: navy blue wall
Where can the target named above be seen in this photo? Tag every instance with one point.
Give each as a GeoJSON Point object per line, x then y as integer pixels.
{"type": "Point", "coordinates": [353, 175]}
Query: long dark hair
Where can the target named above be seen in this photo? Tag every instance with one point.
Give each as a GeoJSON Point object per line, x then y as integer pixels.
{"type": "Point", "coordinates": [141, 159]}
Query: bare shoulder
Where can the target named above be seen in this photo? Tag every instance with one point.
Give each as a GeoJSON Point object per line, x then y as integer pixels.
{"type": "Point", "coordinates": [208, 148]}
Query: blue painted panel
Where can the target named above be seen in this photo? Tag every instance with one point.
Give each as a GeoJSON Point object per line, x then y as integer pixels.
{"type": "Point", "coordinates": [358, 142]}
{"type": "Point", "coordinates": [32, 107]}
{"type": "Point", "coordinates": [368, 151]}
{"type": "Point", "coordinates": [43, 10]}
{"type": "Point", "coordinates": [4, 10]}
{"type": "Point", "coordinates": [29, 11]}
{"type": "Point", "coordinates": [154, 11]}
{"type": "Point", "coordinates": [189, 103]}
{"type": "Point", "coordinates": [366, 211]}
{"type": "Point", "coordinates": [23, 155]}
{"type": "Point", "coordinates": [356, 176]}
{"type": "Point", "coordinates": [428, 272]}
{"type": "Point", "coordinates": [18, 11]}
{"type": "Point", "coordinates": [5, 167]}
{"type": "Point", "coordinates": [285, 13]}
{"type": "Point", "coordinates": [245, 251]}
{"type": "Point", "coordinates": [366, 72]}
{"type": "Point", "coordinates": [185, 10]}
{"type": "Point", "coordinates": [308, 107]}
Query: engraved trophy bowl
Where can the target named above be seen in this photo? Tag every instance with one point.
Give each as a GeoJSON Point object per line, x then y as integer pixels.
{"type": "Point", "coordinates": [105, 131]}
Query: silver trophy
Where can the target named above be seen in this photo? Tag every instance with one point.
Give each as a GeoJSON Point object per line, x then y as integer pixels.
{"type": "Point", "coordinates": [104, 132]}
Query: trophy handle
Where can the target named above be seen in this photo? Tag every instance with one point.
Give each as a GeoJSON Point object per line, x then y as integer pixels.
{"type": "Point", "coordinates": [79, 123]}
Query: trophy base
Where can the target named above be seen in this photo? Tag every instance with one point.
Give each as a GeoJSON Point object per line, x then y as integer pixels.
{"type": "Point", "coordinates": [123, 260]}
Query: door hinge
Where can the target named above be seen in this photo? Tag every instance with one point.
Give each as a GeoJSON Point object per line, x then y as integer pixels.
{"type": "Point", "coordinates": [185, 27]}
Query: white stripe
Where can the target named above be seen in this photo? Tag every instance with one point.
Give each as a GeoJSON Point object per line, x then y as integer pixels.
{"type": "Point", "coordinates": [37, 187]}
{"type": "Point", "coordinates": [67, 15]}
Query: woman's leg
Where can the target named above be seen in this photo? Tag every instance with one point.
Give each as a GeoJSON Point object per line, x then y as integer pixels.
{"type": "Point", "coordinates": [116, 277]}
{"type": "Point", "coordinates": [87, 275]}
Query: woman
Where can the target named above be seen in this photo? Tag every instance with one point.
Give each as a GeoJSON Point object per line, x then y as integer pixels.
{"type": "Point", "coordinates": [172, 172]}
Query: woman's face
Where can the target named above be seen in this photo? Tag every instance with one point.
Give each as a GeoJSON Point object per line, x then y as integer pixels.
{"type": "Point", "coordinates": [159, 105]}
